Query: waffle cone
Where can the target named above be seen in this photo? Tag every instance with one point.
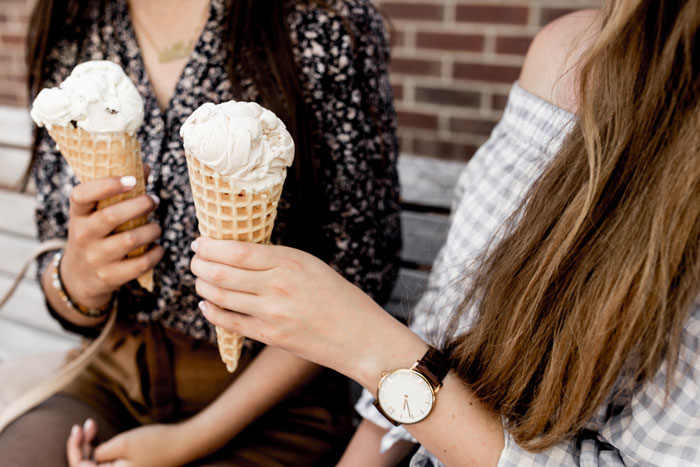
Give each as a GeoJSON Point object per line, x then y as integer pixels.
{"type": "Point", "coordinates": [93, 157]}
{"type": "Point", "coordinates": [227, 213]}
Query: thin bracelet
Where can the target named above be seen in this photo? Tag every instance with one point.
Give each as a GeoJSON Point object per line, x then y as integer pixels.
{"type": "Point", "coordinates": [57, 283]}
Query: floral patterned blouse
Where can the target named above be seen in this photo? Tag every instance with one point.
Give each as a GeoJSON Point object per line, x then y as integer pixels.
{"type": "Point", "coordinates": [342, 56]}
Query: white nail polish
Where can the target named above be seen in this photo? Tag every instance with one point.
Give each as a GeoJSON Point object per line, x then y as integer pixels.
{"type": "Point", "coordinates": [74, 430]}
{"type": "Point", "coordinates": [128, 181]}
{"type": "Point", "coordinates": [195, 246]}
{"type": "Point", "coordinates": [202, 305]}
{"type": "Point", "coordinates": [155, 199]}
{"type": "Point", "coordinates": [88, 424]}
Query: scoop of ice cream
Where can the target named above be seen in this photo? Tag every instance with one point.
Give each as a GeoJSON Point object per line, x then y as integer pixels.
{"type": "Point", "coordinates": [97, 96]}
{"type": "Point", "coordinates": [241, 141]}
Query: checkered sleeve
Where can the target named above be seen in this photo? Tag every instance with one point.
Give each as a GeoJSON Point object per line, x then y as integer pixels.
{"type": "Point", "coordinates": [650, 427]}
{"type": "Point", "coordinates": [644, 426]}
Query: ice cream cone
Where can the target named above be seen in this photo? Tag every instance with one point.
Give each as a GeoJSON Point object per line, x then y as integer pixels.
{"type": "Point", "coordinates": [227, 213]}
{"type": "Point", "coordinates": [93, 156]}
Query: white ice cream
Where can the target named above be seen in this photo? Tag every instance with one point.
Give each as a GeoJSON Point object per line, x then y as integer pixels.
{"type": "Point", "coordinates": [241, 141]}
{"type": "Point", "coordinates": [97, 96]}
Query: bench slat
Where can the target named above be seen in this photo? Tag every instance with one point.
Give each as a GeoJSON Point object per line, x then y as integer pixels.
{"type": "Point", "coordinates": [15, 127]}
{"type": "Point", "coordinates": [27, 307]}
{"type": "Point", "coordinates": [17, 213]}
{"type": "Point", "coordinates": [428, 182]}
{"type": "Point", "coordinates": [14, 251]}
{"type": "Point", "coordinates": [409, 287]}
{"type": "Point", "coordinates": [18, 340]}
{"type": "Point", "coordinates": [423, 236]}
{"type": "Point", "coordinates": [14, 165]}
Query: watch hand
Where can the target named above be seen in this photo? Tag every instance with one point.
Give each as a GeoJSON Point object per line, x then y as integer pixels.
{"type": "Point", "coordinates": [406, 406]}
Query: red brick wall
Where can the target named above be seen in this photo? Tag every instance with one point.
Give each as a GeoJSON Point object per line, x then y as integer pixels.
{"type": "Point", "coordinates": [453, 64]}
{"type": "Point", "coordinates": [14, 15]}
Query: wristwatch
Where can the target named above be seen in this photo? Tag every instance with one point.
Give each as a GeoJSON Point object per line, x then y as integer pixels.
{"type": "Point", "coordinates": [407, 395]}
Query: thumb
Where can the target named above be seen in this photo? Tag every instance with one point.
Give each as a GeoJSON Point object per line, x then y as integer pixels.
{"type": "Point", "coordinates": [113, 449]}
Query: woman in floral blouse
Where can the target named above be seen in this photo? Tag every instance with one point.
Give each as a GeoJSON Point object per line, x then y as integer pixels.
{"type": "Point", "coordinates": [158, 394]}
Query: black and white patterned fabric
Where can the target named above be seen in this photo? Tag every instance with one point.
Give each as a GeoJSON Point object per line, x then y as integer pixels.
{"type": "Point", "coordinates": [638, 428]}
{"type": "Point", "coordinates": [342, 54]}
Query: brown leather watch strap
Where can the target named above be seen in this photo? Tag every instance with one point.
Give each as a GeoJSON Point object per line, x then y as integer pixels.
{"type": "Point", "coordinates": [434, 366]}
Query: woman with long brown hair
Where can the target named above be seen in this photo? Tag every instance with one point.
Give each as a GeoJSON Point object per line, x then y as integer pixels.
{"type": "Point", "coordinates": [567, 295]}
{"type": "Point", "coordinates": [158, 393]}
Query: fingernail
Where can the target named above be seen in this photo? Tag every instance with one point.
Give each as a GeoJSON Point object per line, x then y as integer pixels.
{"type": "Point", "coordinates": [128, 182]}
{"type": "Point", "coordinates": [195, 246]}
{"type": "Point", "coordinates": [155, 199]}
{"type": "Point", "coordinates": [203, 305]}
{"type": "Point", "coordinates": [88, 424]}
{"type": "Point", "coordinates": [74, 430]}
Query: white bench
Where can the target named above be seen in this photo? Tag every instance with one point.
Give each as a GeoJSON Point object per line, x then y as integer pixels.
{"type": "Point", "coordinates": [27, 330]}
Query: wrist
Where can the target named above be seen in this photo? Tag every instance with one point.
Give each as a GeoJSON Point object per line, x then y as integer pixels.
{"type": "Point", "coordinates": [73, 287]}
{"type": "Point", "coordinates": [398, 348]}
{"type": "Point", "coordinates": [187, 443]}
{"type": "Point", "coordinates": [206, 432]}
{"type": "Point", "coordinates": [92, 306]}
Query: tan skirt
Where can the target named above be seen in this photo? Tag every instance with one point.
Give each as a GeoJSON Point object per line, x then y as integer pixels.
{"type": "Point", "coordinates": [148, 374]}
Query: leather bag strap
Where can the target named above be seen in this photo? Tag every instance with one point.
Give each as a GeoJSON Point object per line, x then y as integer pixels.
{"type": "Point", "coordinates": [65, 374]}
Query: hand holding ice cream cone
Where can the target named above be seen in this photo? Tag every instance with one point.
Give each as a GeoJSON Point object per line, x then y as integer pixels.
{"type": "Point", "coordinates": [93, 117]}
{"type": "Point", "coordinates": [237, 155]}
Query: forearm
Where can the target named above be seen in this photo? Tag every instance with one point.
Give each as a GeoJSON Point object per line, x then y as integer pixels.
{"type": "Point", "coordinates": [267, 380]}
{"type": "Point", "coordinates": [309, 309]}
{"type": "Point", "coordinates": [57, 303]}
{"type": "Point", "coordinates": [364, 448]}
{"type": "Point", "coordinates": [460, 430]}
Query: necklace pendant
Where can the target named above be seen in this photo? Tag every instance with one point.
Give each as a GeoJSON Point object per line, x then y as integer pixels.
{"type": "Point", "coordinates": [177, 51]}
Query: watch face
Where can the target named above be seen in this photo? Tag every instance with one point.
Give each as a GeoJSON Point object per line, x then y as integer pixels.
{"type": "Point", "coordinates": [406, 396]}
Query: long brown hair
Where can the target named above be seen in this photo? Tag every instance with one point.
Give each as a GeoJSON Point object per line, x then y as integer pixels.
{"type": "Point", "coordinates": [588, 292]}
{"type": "Point", "coordinates": [257, 38]}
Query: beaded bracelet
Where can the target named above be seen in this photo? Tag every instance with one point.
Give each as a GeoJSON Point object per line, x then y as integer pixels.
{"type": "Point", "coordinates": [57, 283]}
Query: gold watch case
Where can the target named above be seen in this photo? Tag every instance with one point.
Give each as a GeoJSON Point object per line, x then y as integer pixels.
{"type": "Point", "coordinates": [405, 396]}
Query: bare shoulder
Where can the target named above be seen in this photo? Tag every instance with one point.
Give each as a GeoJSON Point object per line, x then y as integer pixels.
{"type": "Point", "coordinates": [550, 68]}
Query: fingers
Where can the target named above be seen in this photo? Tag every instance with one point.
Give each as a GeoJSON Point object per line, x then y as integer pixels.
{"type": "Point", "coordinates": [229, 299]}
{"type": "Point", "coordinates": [89, 435]}
{"type": "Point", "coordinates": [121, 272]}
{"type": "Point", "coordinates": [106, 220]}
{"type": "Point", "coordinates": [231, 320]}
{"type": "Point", "coordinates": [239, 254]}
{"type": "Point", "coordinates": [89, 430]}
{"type": "Point", "coordinates": [112, 449]}
{"type": "Point", "coordinates": [73, 446]}
{"type": "Point", "coordinates": [226, 277]}
{"type": "Point", "coordinates": [117, 246]}
{"type": "Point", "coordinates": [85, 196]}
{"type": "Point", "coordinates": [74, 451]}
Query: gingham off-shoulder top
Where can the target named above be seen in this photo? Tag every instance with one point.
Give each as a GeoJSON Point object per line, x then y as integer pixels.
{"type": "Point", "coordinates": [638, 428]}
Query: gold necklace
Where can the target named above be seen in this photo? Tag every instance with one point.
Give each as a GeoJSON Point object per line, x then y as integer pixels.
{"type": "Point", "coordinates": [177, 50]}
